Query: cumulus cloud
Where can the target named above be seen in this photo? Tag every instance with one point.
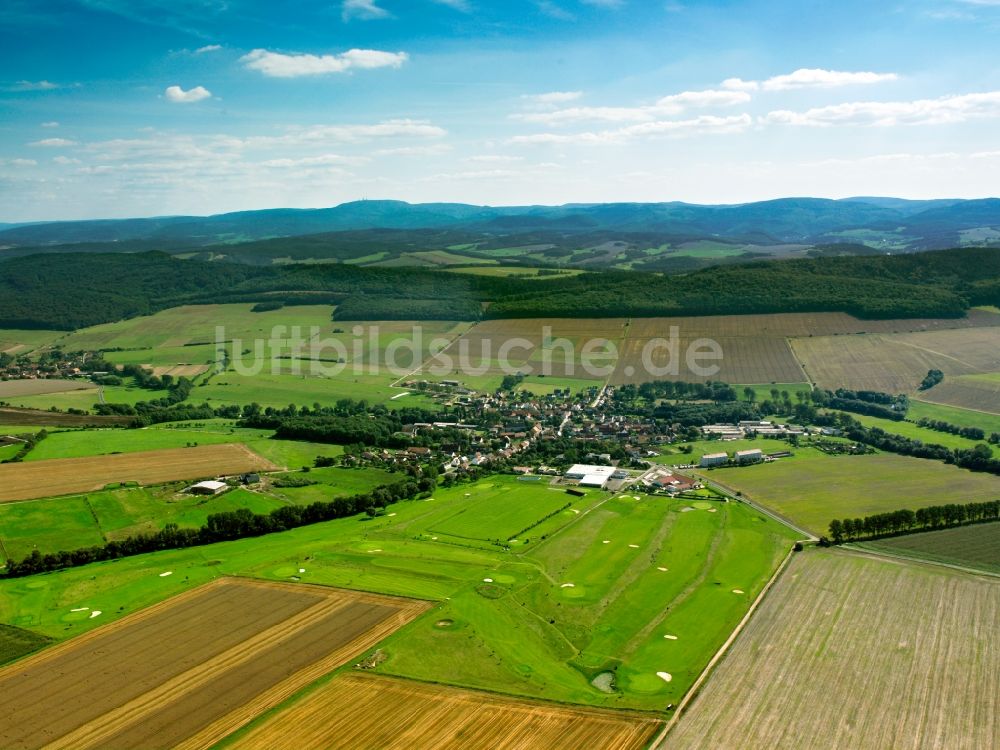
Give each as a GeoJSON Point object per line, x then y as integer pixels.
{"type": "Point", "coordinates": [820, 78]}
{"type": "Point", "coordinates": [433, 150]}
{"type": "Point", "coordinates": [943, 110]}
{"type": "Point", "coordinates": [494, 159]}
{"type": "Point", "coordinates": [366, 10]}
{"type": "Point", "coordinates": [462, 5]}
{"type": "Point", "coordinates": [208, 48]}
{"type": "Point", "coordinates": [179, 96]}
{"type": "Point", "coordinates": [613, 4]}
{"type": "Point", "coordinates": [279, 65]}
{"type": "Point", "coordinates": [666, 106]}
{"type": "Point", "coordinates": [322, 160]}
{"type": "Point", "coordinates": [738, 84]}
{"type": "Point", "coordinates": [53, 143]}
{"type": "Point", "coordinates": [19, 162]}
{"type": "Point", "coordinates": [65, 160]}
{"type": "Point", "coordinates": [50, 124]}
{"type": "Point", "coordinates": [32, 86]}
{"type": "Point", "coordinates": [703, 125]}
{"type": "Point", "coordinates": [552, 98]}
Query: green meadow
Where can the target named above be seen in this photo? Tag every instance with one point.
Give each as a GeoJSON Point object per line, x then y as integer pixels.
{"type": "Point", "coordinates": [524, 631]}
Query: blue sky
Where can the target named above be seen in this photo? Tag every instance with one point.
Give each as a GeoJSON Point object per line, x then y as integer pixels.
{"type": "Point", "coordinates": [114, 108]}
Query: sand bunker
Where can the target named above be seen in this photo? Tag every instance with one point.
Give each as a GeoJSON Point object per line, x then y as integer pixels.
{"type": "Point", "coordinates": [391, 515]}
{"type": "Point", "coordinates": [167, 573]}
{"type": "Point", "coordinates": [95, 613]}
{"type": "Point", "coordinates": [302, 570]}
{"type": "Point", "coordinates": [713, 510]}
{"type": "Point", "coordinates": [374, 550]}
{"type": "Point", "coordinates": [574, 510]}
{"type": "Point", "coordinates": [634, 546]}
{"type": "Point", "coordinates": [80, 609]}
{"type": "Point", "coordinates": [738, 591]}
{"type": "Point", "coordinates": [636, 497]}
{"type": "Point", "coordinates": [665, 676]}
{"type": "Point", "coordinates": [606, 541]}
{"type": "Point", "coordinates": [662, 570]}
{"type": "Point", "coordinates": [487, 580]}
{"type": "Point", "coordinates": [685, 510]}
{"type": "Point", "coordinates": [670, 637]}
{"type": "Point", "coordinates": [568, 586]}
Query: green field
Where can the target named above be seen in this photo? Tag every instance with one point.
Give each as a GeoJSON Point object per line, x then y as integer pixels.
{"type": "Point", "coordinates": [525, 272]}
{"type": "Point", "coordinates": [74, 443]}
{"type": "Point", "coordinates": [69, 523]}
{"type": "Point", "coordinates": [675, 454]}
{"type": "Point", "coordinates": [976, 546]}
{"type": "Point", "coordinates": [954, 415]}
{"type": "Point", "coordinates": [19, 341]}
{"type": "Point", "coordinates": [915, 432]}
{"type": "Point", "coordinates": [813, 489]}
{"type": "Point", "coordinates": [762, 391]}
{"type": "Point", "coordinates": [523, 633]}
{"type": "Point", "coordinates": [15, 643]}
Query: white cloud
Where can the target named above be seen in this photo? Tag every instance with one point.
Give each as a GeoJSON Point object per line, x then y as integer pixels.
{"type": "Point", "coordinates": [820, 78]}
{"type": "Point", "coordinates": [19, 162]}
{"type": "Point", "coordinates": [666, 106]}
{"type": "Point", "coordinates": [702, 125]}
{"type": "Point", "coordinates": [612, 4]}
{"type": "Point", "coordinates": [179, 96]}
{"type": "Point", "coordinates": [208, 48]}
{"type": "Point", "coordinates": [33, 86]}
{"type": "Point", "coordinates": [434, 150]}
{"type": "Point", "coordinates": [552, 97]}
{"type": "Point", "coordinates": [944, 110]}
{"type": "Point", "coordinates": [278, 65]}
{"type": "Point", "coordinates": [50, 124]}
{"type": "Point", "coordinates": [53, 143]}
{"type": "Point", "coordinates": [323, 160]}
{"type": "Point", "coordinates": [494, 159]}
{"type": "Point", "coordinates": [366, 10]}
{"type": "Point", "coordinates": [738, 84]}
{"type": "Point", "coordinates": [461, 5]}
{"type": "Point", "coordinates": [65, 160]}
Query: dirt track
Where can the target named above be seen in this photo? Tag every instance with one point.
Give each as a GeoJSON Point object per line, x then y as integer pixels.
{"type": "Point", "coordinates": [63, 476]}
{"type": "Point", "coordinates": [187, 672]}
{"type": "Point", "coordinates": [366, 712]}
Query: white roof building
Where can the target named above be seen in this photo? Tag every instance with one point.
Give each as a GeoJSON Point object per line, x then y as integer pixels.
{"type": "Point", "coordinates": [208, 488]}
{"type": "Point", "coordinates": [589, 475]}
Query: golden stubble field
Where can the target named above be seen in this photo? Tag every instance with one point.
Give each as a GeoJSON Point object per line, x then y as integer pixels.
{"type": "Point", "coordinates": [62, 476]}
{"type": "Point", "coordinates": [852, 651]}
{"type": "Point", "coordinates": [189, 671]}
{"type": "Point", "coordinates": [365, 712]}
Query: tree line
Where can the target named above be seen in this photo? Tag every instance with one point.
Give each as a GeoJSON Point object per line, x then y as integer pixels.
{"type": "Point", "coordinates": [226, 526]}
{"type": "Point", "coordinates": [906, 521]}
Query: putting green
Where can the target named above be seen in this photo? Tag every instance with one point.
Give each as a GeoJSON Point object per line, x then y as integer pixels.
{"type": "Point", "coordinates": [702, 505]}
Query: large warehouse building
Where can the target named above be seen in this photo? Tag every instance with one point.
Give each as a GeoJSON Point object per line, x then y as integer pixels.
{"type": "Point", "coordinates": [590, 476]}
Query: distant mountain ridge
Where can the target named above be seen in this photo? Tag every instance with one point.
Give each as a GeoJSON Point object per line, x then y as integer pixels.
{"type": "Point", "coordinates": [620, 235]}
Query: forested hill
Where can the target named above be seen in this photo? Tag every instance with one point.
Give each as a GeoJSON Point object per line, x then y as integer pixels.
{"type": "Point", "coordinates": [67, 291]}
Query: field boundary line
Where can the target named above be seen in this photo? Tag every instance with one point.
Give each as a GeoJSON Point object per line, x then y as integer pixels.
{"type": "Point", "coordinates": [97, 731]}
{"type": "Point", "coordinates": [691, 694]}
{"type": "Point", "coordinates": [915, 560]}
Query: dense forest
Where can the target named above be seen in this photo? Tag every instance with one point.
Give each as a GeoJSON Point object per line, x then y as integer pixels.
{"type": "Point", "coordinates": [68, 291]}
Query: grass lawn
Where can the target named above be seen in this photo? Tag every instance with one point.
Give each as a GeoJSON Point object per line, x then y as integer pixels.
{"type": "Point", "coordinates": [954, 415]}
{"type": "Point", "coordinates": [74, 443]}
{"type": "Point", "coordinates": [334, 482]}
{"type": "Point", "coordinates": [522, 633]}
{"type": "Point", "coordinates": [813, 489]}
{"type": "Point", "coordinates": [915, 432]}
{"type": "Point", "coordinates": [87, 520]}
{"type": "Point", "coordinates": [762, 391]}
{"type": "Point", "coordinates": [976, 546]}
{"type": "Point", "coordinates": [87, 399]}
{"type": "Point", "coordinates": [674, 453]}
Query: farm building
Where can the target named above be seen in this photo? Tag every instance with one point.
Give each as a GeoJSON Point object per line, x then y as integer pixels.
{"type": "Point", "coordinates": [749, 456]}
{"type": "Point", "coordinates": [590, 476]}
{"type": "Point", "coordinates": [714, 459]}
{"type": "Point", "coordinates": [207, 488]}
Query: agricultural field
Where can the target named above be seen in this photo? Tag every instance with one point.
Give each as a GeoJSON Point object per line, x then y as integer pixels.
{"type": "Point", "coordinates": [64, 476]}
{"type": "Point", "coordinates": [976, 546]}
{"type": "Point", "coordinates": [68, 523]}
{"type": "Point", "coordinates": [18, 341]}
{"type": "Point", "coordinates": [896, 363]}
{"type": "Point", "coordinates": [15, 419]}
{"type": "Point", "coordinates": [924, 434]}
{"type": "Point", "coordinates": [523, 632]}
{"type": "Point", "coordinates": [954, 415]}
{"type": "Point", "coordinates": [362, 711]}
{"type": "Point", "coordinates": [15, 643]}
{"type": "Point", "coordinates": [520, 272]}
{"type": "Point", "coordinates": [11, 390]}
{"type": "Point", "coordinates": [77, 443]}
{"type": "Point", "coordinates": [85, 398]}
{"type": "Point", "coordinates": [812, 489]}
{"type": "Point", "coordinates": [980, 392]}
{"type": "Point", "coordinates": [255, 644]}
{"type": "Point", "coordinates": [857, 652]}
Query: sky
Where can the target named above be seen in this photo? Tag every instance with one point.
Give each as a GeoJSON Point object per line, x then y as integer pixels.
{"type": "Point", "coordinates": [119, 108]}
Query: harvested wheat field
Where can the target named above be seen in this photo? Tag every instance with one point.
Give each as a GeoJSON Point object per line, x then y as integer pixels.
{"type": "Point", "coordinates": [189, 671]}
{"type": "Point", "coordinates": [980, 392]}
{"type": "Point", "coordinates": [177, 371]}
{"type": "Point", "coordinates": [12, 388]}
{"type": "Point", "coordinates": [851, 651]}
{"type": "Point", "coordinates": [362, 712]}
{"type": "Point", "coordinates": [896, 363]}
{"type": "Point", "coordinates": [64, 476]}
{"type": "Point", "coordinates": [11, 415]}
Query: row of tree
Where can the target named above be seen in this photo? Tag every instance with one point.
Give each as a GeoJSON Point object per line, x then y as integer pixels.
{"type": "Point", "coordinates": [227, 526]}
{"type": "Point", "coordinates": [939, 425]}
{"type": "Point", "coordinates": [906, 521]}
